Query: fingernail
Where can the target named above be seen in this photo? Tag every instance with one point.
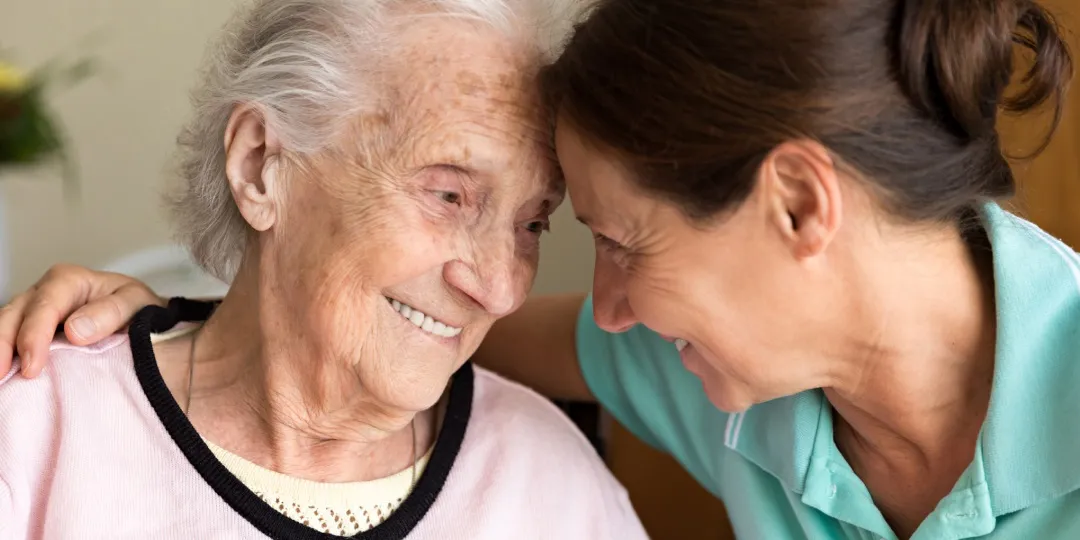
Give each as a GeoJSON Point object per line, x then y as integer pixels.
{"type": "Point", "coordinates": [24, 365]}
{"type": "Point", "coordinates": [83, 327]}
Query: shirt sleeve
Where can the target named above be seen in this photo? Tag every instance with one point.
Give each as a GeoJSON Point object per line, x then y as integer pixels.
{"type": "Point", "coordinates": [638, 377]}
{"type": "Point", "coordinates": [621, 517]}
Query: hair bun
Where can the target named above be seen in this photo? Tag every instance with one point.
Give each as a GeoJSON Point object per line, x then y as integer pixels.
{"type": "Point", "coordinates": [955, 60]}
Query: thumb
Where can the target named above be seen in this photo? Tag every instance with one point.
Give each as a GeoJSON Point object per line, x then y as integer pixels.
{"type": "Point", "coordinates": [107, 315]}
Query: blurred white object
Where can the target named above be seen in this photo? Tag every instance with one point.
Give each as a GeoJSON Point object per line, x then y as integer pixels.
{"type": "Point", "coordinates": [169, 271]}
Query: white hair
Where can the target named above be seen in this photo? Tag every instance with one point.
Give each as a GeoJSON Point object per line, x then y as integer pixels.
{"type": "Point", "coordinates": [300, 62]}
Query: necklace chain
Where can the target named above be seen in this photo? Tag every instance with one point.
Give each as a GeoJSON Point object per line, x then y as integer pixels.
{"type": "Point", "coordinates": [187, 407]}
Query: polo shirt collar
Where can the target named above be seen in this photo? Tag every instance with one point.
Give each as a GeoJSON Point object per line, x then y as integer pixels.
{"type": "Point", "coordinates": [1025, 456]}
{"type": "Point", "coordinates": [1029, 438]}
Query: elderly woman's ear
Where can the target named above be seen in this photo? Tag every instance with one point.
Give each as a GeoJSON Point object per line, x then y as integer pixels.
{"type": "Point", "coordinates": [252, 150]}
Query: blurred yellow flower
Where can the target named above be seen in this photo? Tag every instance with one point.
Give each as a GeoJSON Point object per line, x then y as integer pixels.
{"type": "Point", "coordinates": [12, 80]}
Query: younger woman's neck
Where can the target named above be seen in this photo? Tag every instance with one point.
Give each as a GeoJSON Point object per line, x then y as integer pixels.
{"type": "Point", "coordinates": [909, 411]}
{"type": "Point", "coordinates": [922, 363]}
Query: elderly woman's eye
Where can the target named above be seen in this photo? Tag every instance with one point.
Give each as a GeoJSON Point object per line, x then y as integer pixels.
{"type": "Point", "coordinates": [449, 197]}
{"type": "Point", "coordinates": [538, 227]}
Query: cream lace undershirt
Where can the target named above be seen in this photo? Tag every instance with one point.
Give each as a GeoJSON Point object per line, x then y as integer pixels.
{"type": "Point", "coordinates": [341, 509]}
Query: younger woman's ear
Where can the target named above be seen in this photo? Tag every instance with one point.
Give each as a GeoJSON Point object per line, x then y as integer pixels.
{"type": "Point", "coordinates": [803, 194]}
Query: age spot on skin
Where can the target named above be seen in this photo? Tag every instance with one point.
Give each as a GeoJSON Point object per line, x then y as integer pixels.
{"type": "Point", "coordinates": [469, 83]}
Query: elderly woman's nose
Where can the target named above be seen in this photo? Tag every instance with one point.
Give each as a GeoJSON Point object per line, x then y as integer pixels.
{"type": "Point", "coordinates": [492, 278]}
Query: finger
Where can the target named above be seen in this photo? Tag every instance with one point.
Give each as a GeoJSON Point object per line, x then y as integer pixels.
{"type": "Point", "coordinates": [11, 316]}
{"type": "Point", "coordinates": [43, 315]}
{"type": "Point", "coordinates": [62, 290]}
{"type": "Point", "coordinates": [108, 315]}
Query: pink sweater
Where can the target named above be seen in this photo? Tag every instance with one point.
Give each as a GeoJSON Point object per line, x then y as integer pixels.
{"type": "Point", "coordinates": [96, 447]}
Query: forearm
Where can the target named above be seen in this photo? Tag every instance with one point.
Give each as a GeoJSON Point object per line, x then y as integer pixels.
{"type": "Point", "coordinates": [535, 346]}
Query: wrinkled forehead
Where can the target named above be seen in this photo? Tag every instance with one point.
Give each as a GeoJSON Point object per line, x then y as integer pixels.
{"type": "Point", "coordinates": [466, 95]}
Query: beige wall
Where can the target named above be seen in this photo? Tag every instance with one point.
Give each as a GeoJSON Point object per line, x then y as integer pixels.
{"type": "Point", "coordinates": [122, 125]}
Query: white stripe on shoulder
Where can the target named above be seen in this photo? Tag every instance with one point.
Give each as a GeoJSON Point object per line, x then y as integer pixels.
{"type": "Point", "coordinates": [731, 431]}
{"type": "Point", "coordinates": [727, 429]}
{"type": "Point", "coordinates": [1070, 253]}
{"type": "Point", "coordinates": [1069, 257]}
{"type": "Point", "coordinates": [738, 428]}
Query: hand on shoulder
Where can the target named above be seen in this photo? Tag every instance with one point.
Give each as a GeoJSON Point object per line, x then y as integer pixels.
{"type": "Point", "coordinates": [90, 304]}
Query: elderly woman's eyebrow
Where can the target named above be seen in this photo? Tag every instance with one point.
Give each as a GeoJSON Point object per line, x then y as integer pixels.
{"type": "Point", "coordinates": [456, 167]}
{"type": "Point", "coordinates": [546, 202]}
{"type": "Point", "coordinates": [466, 161]}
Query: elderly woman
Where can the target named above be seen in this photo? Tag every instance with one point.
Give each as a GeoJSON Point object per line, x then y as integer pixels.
{"type": "Point", "coordinates": [345, 164]}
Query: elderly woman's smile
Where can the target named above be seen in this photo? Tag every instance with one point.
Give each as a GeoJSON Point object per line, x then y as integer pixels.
{"type": "Point", "coordinates": [436, 327]}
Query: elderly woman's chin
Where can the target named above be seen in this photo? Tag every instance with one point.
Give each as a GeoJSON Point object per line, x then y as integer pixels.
{"type": "Point", "coordinates": [413, 372]}
{"type": "Point", "coordinates": [423, 351]}
{"type": "Point", "coordinates": [399, 356]}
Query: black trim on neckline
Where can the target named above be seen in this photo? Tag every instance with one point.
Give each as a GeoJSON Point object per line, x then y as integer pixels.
{"type": "Point", "coordinates": [157, 319]}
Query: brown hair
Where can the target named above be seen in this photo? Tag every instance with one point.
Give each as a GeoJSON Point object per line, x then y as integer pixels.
{"type": "Point", "coordinates": [693, 94]}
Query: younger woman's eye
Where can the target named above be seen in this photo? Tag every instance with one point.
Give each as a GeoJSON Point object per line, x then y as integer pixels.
{"type": "Point", "coordinates": [606, 242]}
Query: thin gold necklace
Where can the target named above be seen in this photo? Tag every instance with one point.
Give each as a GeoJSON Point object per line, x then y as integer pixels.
{"type": "Point", "coordinates": [187, 407]}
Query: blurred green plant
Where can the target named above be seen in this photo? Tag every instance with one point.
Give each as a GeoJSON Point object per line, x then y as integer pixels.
{"type": "Point", "coordinates": [30, 133]}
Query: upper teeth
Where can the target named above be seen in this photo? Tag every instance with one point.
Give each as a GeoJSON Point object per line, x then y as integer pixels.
{"type": "Point", "coordinates": [680, 344]}
{"type": "Point", "coordinates": [423, 320]}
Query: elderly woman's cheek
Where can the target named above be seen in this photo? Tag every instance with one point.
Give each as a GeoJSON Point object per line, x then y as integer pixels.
{"type": "Point", "coordinates": [528, 260]}
{"type": "Point", "coordinates": [528, 248]}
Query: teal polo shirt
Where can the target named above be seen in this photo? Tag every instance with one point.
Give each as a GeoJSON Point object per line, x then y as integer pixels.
{"type": "Point", "coordinates": [778, 471]}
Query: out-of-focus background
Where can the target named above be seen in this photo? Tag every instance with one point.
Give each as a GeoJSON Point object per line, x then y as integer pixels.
{"type": "Point", "coordinates": [122, 123]}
